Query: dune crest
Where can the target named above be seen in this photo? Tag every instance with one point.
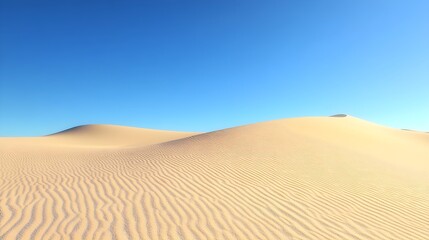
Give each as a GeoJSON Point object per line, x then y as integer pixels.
{"type": "Point", "coordinates": [300, 178]}
{"type": "Point", "coordinates": [103, 135]}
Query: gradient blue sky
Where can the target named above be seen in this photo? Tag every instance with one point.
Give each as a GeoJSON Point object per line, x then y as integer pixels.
{"type": "Point", "coordinates": [204, 65]}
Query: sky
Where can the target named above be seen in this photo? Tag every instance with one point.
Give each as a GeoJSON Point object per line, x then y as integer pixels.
{"type": "Point", "coordinates": [204, 65]}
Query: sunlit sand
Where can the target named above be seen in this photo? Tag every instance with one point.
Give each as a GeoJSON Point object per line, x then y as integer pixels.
{"type": "Point", "coordinates": [336, 177]}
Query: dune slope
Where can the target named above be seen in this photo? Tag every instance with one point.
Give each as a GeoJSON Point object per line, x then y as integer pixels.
{"type": "Point", "coordinates": [111, 135]}
{"type": "Point", "coordinates": [94, 136]}
{"type": "Point", "coordinates": [304, 178]}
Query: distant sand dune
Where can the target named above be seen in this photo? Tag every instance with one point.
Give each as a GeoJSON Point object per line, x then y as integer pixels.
{"type": "Point", "coordinates": [111, 135]}
{"type": "Point", "coordinates": [301, 178]}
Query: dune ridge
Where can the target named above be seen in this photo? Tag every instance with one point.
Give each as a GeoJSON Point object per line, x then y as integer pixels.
{"type": "Point", "coordinates": [301, 178]}
{"type": "Point", "coordinates": [112, 135]}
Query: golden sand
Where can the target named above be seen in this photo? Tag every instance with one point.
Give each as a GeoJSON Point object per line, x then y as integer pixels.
{"type": "Point", "coordinates": [302, 178]}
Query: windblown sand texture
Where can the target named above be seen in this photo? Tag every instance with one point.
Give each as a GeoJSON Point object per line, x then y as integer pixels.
{"type": "Point", "coordinates": [303, 178]}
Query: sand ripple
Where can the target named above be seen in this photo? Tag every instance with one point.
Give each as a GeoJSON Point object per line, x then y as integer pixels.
{"type": "Point", "coordinates": [309, 178]}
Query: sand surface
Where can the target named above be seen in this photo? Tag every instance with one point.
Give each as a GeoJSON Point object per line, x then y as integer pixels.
{"type": "Point", "coordinates": [303, 178]}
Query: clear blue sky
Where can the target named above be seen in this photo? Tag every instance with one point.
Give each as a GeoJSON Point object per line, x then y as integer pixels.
{"type": "Point", "coordinates": [204, 65]}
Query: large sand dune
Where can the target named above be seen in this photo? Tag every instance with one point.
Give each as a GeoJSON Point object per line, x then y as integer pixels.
{"type": "Point", "coordinates": [304, 178]}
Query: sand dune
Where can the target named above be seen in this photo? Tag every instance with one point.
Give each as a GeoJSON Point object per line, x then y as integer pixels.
{"type": "Point", "coordinates": [110, 135]}
{"type": "Point", "coordinates": [304, 178]}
